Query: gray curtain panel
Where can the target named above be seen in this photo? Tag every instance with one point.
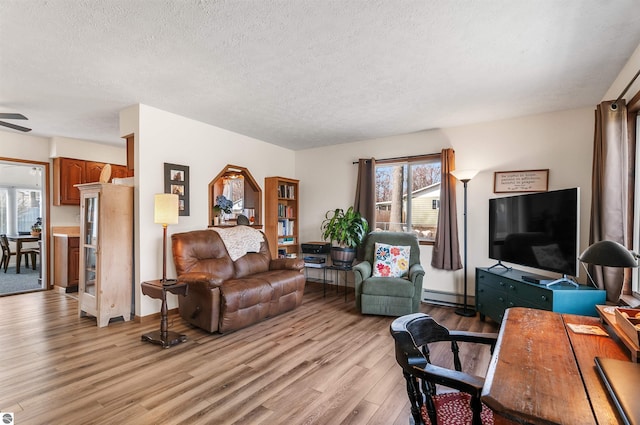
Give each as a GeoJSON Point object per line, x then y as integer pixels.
{"type": "Point", "coordinates": [446, 249]}
{"type": "Point", "coordinates": [612, 188]}
{"type": "Point", "coordinates": [365, 202]}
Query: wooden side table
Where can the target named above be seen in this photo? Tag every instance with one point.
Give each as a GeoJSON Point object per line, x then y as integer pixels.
{"type": "Point", "coordinates": [156, 289]}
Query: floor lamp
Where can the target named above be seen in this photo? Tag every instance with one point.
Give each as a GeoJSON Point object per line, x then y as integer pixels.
{"type": "Point", "coordinates": [165, 211]}
{"type": "Point", "coordinates": [465, 176]}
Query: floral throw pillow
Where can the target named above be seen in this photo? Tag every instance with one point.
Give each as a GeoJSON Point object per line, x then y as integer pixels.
{"type": "Point", "coordinates": [391, 260]}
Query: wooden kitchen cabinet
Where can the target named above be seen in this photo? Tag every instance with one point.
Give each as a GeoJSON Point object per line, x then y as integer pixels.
{"type": "Point", "coordinates": [68, 172]}
{"type": "Point", "coordinates": [120, 172]}
{"type": "Point", "coordinates": [92, 171]}
{"type": "Point", "coordinates": [66, 254]}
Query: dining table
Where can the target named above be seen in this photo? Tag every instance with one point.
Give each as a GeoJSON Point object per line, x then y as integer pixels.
{"type": "Point", "coordinates": [19, 240]}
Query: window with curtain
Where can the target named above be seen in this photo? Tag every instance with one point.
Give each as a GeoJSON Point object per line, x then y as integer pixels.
{"type": "Point", "coordinates": [408, 196]}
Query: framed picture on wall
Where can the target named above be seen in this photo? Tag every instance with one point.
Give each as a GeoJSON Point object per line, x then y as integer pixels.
{"type": "Point", "coordinates": [521, 181]}
{"type": "Point", "coordinates": [176, 181]}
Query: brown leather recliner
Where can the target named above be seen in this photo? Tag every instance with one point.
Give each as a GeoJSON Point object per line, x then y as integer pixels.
{"type": "Point", "coordinates": [226, 295]}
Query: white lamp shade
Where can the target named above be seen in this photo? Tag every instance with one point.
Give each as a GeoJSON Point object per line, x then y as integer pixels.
{"type": "Point", "coordinates": [166, 208]}
{"type": "Point", "coordinates": [464, 175]}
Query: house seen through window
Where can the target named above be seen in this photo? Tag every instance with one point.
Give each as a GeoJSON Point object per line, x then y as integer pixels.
{"type": "Point", "coordinates": [408, 196]}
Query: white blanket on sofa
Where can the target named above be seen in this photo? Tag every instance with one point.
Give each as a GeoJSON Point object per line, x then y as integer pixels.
{"type": "Point", "coordinates": [239, 240]}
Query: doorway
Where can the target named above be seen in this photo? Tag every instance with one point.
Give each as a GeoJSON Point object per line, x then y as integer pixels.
{"type": "Point", "coordinates": [24, 207]}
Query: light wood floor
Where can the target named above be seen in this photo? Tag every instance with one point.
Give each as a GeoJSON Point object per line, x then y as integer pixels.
{"type": "Point", "coordinates": [322, 363]}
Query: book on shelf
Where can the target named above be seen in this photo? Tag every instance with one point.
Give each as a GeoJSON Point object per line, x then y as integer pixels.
{"type": "Point", "coordinates": [285, 211]}
{"type": "Point", "coordinates": [286, 241]}
{"type": "Point", "coordinates": [314, 265]}
{"type": "Point", "coordinates": [285, 227]}
{"type": "Point", "coordinates": [286, 191]}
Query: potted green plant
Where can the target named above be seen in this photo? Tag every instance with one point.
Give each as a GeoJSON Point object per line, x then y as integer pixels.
{"type": "Point", "coordinates": [36, 227]}
{"type": "Point", "coordinates": [346, 230]}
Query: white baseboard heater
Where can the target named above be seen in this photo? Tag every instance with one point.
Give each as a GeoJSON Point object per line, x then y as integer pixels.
{"type": "Point", "coordinates": [446, 298]}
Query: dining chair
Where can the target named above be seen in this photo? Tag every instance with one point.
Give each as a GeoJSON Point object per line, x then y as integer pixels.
{"type": "Point", "coordinates": [7, 253]}
{"type": "Point", "coordinates": [413, 335]}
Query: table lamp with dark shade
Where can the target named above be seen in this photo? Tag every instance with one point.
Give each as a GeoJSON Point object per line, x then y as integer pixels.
{"type": "Point", "coordinates": [165, 212]}
{"type": "Point", "coordinates": [609, 254]}
{"type": "Point", "coordinates": [619, 376]}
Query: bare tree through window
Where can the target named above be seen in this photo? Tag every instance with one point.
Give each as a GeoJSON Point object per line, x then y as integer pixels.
{"type": "Point", "coordinates": [408, 196]}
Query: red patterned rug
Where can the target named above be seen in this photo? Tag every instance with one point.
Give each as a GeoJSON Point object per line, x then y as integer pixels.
{"type": "Point", "coordinates": [454, 409]}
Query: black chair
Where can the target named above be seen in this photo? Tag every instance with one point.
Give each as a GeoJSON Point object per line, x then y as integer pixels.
{"type": "Point", "coordinates": [412, 334]}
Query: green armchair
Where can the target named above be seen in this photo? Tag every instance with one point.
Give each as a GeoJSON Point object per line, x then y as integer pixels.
{"type": "Point", "coordinates": [388, 296]}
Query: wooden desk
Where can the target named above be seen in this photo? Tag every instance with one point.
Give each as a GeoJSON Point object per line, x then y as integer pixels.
{"type": "Point", "coordinates": [19, 239]}
{"type": "Point", "coordinates": [543, 373]}
{"type": "Point", "coordinates": [610, 319]}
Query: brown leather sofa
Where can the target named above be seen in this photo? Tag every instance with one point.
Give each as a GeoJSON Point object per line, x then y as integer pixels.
{"type": "Point", "coordinates": [226, 295]}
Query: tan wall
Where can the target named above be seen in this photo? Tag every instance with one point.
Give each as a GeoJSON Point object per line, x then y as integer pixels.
{"type": "Point", "coordinates": [561, 142]}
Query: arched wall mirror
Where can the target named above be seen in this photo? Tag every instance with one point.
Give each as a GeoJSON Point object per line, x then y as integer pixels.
{"type": "Point", "coordinates": [238, 186]}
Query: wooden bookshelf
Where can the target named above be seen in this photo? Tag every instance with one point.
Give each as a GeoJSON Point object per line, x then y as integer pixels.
{"type": "Point", "coordinates": [281, 216]}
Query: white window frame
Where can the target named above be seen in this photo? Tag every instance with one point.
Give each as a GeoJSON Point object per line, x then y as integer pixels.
{"type": "Point", "coordinates": [424, 237]}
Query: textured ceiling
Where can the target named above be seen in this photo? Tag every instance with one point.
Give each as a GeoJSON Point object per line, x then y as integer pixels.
{"type": "Point", "coordinates": [308, 73]}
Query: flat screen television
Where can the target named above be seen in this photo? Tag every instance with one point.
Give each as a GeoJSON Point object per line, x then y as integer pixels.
{"type": "Point", "coordinates": [539, 230]}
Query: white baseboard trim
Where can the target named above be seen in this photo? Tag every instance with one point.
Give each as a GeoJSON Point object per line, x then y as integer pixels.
{"type": "Point", "coordinates": [446, 298]}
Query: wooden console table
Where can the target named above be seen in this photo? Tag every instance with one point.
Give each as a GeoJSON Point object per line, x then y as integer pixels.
{"type": "Point", "coordinates": [542, 372]}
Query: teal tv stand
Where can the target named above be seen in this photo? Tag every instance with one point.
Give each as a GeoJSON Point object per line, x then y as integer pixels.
{"type": "Point", "coordinates": [499, 289]}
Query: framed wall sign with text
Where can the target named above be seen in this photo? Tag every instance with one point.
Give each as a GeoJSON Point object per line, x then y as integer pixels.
{"type": "Point", "coordinates": [521, 181]}
{"type": "Point", "coordinates": [176, 180]}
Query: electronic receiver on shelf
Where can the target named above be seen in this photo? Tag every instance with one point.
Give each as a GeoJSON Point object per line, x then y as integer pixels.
{"type": "Point", "coordinates": [316, 247]}
{"type": "Point", "coordinates": [536, 279]}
